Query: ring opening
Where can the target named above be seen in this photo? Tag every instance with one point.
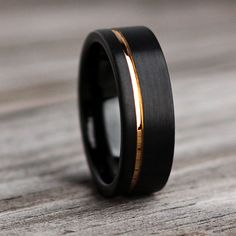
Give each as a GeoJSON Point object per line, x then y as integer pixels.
{"type": "Point", "coordinates": [100, 112]}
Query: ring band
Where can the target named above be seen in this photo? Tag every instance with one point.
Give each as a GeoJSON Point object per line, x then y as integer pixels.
{"type": "Point", "coordinates": [126, 111]}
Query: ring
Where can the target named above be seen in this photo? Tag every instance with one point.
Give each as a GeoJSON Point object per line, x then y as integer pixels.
{"type": "Point", "coordinates": [126, 111]}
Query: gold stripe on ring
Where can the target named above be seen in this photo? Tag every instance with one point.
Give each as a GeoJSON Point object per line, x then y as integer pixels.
{"type": "Point", "coordinates": [138, 102]}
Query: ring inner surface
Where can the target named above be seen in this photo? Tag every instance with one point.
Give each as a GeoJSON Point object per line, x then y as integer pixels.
{"type": "Point", "coordinates": [101, 112]}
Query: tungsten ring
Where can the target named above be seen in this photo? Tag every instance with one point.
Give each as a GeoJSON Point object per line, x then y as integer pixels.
{"type": "Point", "coordinates": [126, 111]}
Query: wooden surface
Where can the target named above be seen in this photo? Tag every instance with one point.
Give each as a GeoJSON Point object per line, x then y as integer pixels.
{"type": "Point", "coordinates": [45, 186]}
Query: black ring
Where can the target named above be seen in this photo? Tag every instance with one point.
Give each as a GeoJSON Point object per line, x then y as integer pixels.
{"type": "Point", "coordinates": [126, 111]}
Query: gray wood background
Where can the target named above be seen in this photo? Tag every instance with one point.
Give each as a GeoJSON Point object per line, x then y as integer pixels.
{"type": "Point", "coordinates": [45, 186]}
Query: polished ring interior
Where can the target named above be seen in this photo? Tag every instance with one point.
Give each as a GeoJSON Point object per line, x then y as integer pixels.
{"type": "Point", "coordinates": [126, 111]}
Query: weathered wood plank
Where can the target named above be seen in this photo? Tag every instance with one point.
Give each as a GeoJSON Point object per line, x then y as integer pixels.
{"type": "Point", "coordinates": [45, 185]}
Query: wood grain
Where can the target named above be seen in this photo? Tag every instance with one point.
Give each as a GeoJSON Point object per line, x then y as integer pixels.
{"type": "Point", "coordinates": [45, 185]}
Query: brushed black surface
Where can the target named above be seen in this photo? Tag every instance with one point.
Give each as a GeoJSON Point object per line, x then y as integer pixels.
{"type": "Point", "coordinates": [159, 124]}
